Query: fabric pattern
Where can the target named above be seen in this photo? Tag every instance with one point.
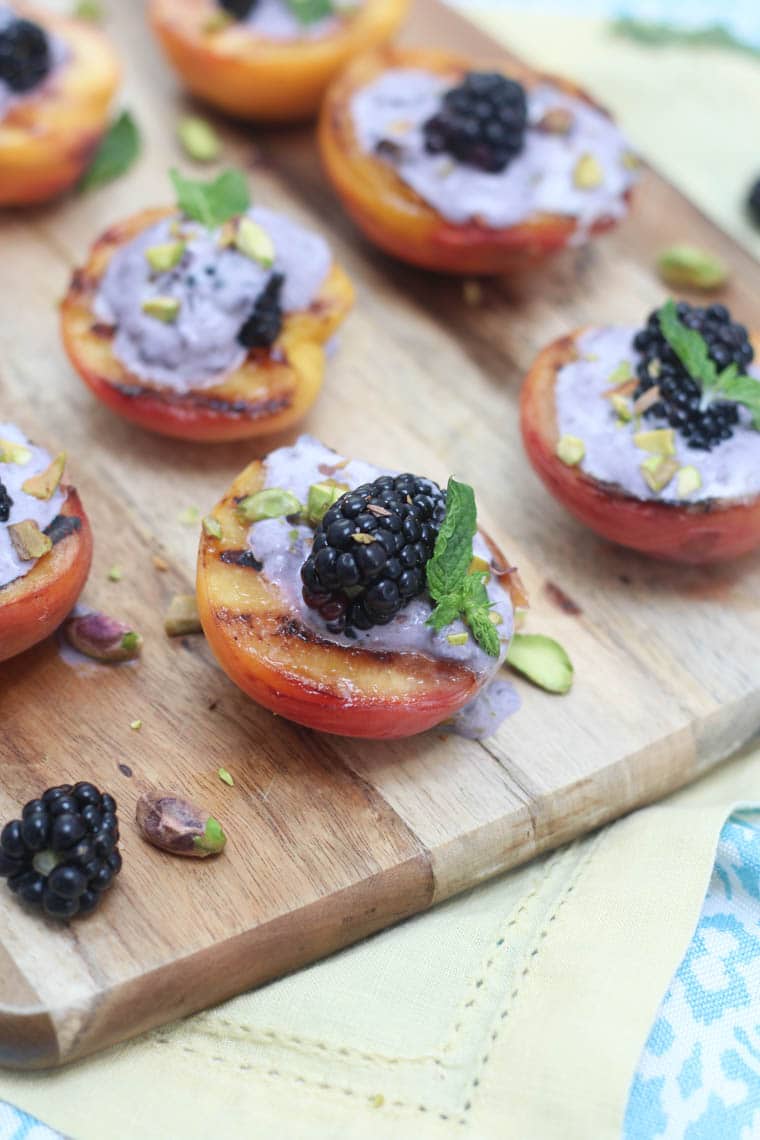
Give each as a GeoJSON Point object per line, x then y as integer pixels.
{"type": "Point", "coordinates": [16, 1125]}
{"type": "Point", "coordinates": [699, 1074]}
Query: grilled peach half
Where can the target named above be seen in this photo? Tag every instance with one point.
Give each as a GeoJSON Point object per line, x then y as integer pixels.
{"type": "Point", "coordinates": [32, 607]}
{"type": "Point", "coordinates": [48, 138]}
{"type": "Point", "coordinates": [266, 80]}
{"type": "Point", "coordinates": [395, 217]}
{"type": "Point", "coordinates": [711, 531]}
{"type": "Point", "coordinates": [262, 645]}
{"type": "Point", "coordinates": [270, 391]}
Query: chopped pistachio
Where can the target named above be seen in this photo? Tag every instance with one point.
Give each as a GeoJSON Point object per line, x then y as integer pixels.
{"type": "Point", "coordinates": [556, 121]}
{"type": "Point", "coordinates": [271, 503]}
{"type": "Point", "coordinates": [570, 450]}
{"type": "Point", "coordinates": [622, 407]}
{"type": "Point", "coordinates": [630, 160]}
{"type": "Point", "coordinates": [198, 138]}
{"type": "Point", "coordinates": [620, 374]}
{"type": "Point", "coordinates": [227, 235]}
{"type": "Point", "coordinates": [658, 470]}
{"type": "Point", "coordinates": [654, 368]}
{"type": "Point", "coordinates": [28, 540]}
{"type": "Point", "coordinates": [254, 242]}
{"type": "Point", "coordinates": [457, 638]}
{"type": "Point", "coordinates": [161, 258]}
{"type": "Point", "coordinates": [217, 23]}
{"type": "Point", "coordinates": [364, 539]}
{"type": "Point", "coordinates": [689, 480]}
{"type": "Point", "coordinates": [321, 497]}
{"type": "Point", "coordinates": [174, 824]}
{"type": "Point", "coordinates": [11, 452]}
{"type": "Point", "coordinates": [164, 309]}
{"type": "Point", "coordinates": [479, 565]}
{"type": "Point", "coordinates": [189, 516]}
{"type": "Point", "coordinates": [588, 172]}
{"type": "Point", "coordinates": [495, 617]}
{"type": "Point", "coordinates": [91, 10]}
{"type": "Point", "coordinates": [225, 777]}
{"type": "Point", "coordinates": [212, 527]}
{"type": "Point", "coordinates": [377, 1101]}
{"type": "Point", "coordinates": [182, 617]}
{"type": "Point", "coordinates": [662, 441]}
{"type": "Point", "coordinates": [542, 660]}
{"type": "Point", "coordinates": [472, 291]}
{"type": "Point", "coordinates": [103, 638]}
{"type": "Point", "coordinates": [687, 267]}
{"type": "Point", "coordinates": [135, 725]}
{"type": "Point", "coordinates": [115, 574]}
{"type": "Point", "coordinates": [646, 400]}
{"type": "Point", "coordinates": [45, 485]}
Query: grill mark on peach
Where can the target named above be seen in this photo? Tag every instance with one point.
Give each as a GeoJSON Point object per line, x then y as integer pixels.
{"type": "Point", "coordinates": [251, 410]}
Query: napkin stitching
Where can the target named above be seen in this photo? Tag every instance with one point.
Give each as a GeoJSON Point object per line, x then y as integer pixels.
{"type": "Point", "coordinates": [459, 1117]}
{"type": "Point", "coordinates": [476, 987]}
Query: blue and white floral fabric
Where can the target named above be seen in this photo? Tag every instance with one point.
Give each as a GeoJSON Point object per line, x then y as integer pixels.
{"type": "Point", "coordinates": [699, 1073]}
{"type": "Point", "coordinates": [16, 1125]}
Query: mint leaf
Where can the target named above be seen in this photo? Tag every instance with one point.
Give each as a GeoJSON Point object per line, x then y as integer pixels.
{"type": "Point", "coordinates": [688, 345]}
{"type": "Point", "coordinates": [118, 150]}
{"type": "Point", "coordinates": [459, 593]}
{"type": "Point", "coordinates": [452, 556]}
{"type": "Point", "coordinates": [309, 11]}
{"type": "Point", "coordinates": [212, 203]}
{"type": "Point", "coordinates": [742, 390]}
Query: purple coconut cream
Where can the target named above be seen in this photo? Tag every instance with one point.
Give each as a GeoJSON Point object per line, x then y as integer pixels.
{"type": "Point", "coordinates": [217, 289]}
{"type": "Point", "coordinates": [275, 20]}
{"type": "Point", "coordinates": [730, 471]}
{"type": "Point", "coordinates": [282, 548]}
{"type": "Point", "coordinates": [31, 461]}
{"type": "Point", "coordinates": [541, 179]}
{"type": "Point", "coordinates": [58, 55]}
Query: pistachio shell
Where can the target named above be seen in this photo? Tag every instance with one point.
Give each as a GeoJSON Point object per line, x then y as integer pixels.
{"type": "Point", "coordinates": [687, 267]}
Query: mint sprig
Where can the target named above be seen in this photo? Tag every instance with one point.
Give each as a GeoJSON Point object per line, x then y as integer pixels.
{"type": "Point", "coordinates": [457, 592]}
{"type": "Point", "coordinates": [212, 203]}
{"type": "Point", "coordinates": [309, 11]}
{"type": "Point", "coordinates": [118, 150]}
{"type": "Point", "coordinates": [691, 349]}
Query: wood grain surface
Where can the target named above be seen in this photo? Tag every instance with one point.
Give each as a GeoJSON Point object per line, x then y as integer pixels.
{"type": "Point", "coordinates": [333, 839]}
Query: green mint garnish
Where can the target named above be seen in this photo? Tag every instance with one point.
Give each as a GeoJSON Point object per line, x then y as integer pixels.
{"type": "Point", "coordinates": [654, 34]}
{"type": "Point", "coordinates": [691, 349]}
{"type": "Point", "coordinates": [309, 11]}
{"type": "Point", "coordinates": [212, 203]}
{"type": "Point", "coordinates": [118, 150]}
{"type": "Point", "coordinates": [457, 592]}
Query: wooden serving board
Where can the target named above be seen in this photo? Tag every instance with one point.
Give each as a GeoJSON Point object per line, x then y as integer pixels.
{"type": "Point", "coordinates": [333, 839]}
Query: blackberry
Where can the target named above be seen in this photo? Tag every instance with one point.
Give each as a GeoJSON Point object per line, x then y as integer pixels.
{"type": "Point", "coordinates": [355, 583]}
{"type": "Point", "coordinates": [265, 322]}
{"type": "Point", "coordinates": [681, 395]}
{"type": "Point", "coordinates": [62, 854]}
{"type": "Point", "coordinates": [6, 502]}
{"type": "Point", "coordinates": [238, 8]}
{"type": "Point", "coordinates": [753, 202]}
{"type": "Point", "coordinates": [24, 55]}
{"type": "Point", "coordinates": [482, 122]}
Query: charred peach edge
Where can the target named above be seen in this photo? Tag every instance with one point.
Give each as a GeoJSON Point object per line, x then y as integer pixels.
{"type": "Point", "coordinates": [263, 647]}
{"type": "Point", "coordinates": [32, 607]}
{"type": "Point", "coordinates": [259, 79]}
{"type": "Point", "coordinates": [697, 533]}
{"type": "Point", "coordinates": [47, 141]}
{"type": "Point", "coordinates": [263, 396]}
{"type": "Point", "coordinates": [396, 218]}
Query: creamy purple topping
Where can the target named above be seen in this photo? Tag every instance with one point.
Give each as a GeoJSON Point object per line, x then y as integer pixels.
{"type": "Point", "coordinates": [283, 548]}
{"type": "Point", "coordinates": [484, 715]}
{"type": "Point", "coordinates": [217, 289]}
{"type": "Point", "coordinates": [730, 471]}
{"type": "Point", "coordinates": [58, 52]}
{"type": "Point", "coordinates": [25, 507]}
{"type": "Point", "coordinates": [275, 20]}
{"type": "Point", "coordinates": [541, 179]}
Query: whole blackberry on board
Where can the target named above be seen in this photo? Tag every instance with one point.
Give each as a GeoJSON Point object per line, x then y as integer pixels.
{"type": "Point", "coordinates": [238, 8]}
{"type": "Point", "coordinates": [6, 502]}
{"type": "Point", "coordinates": [681, 395]}
{"type": "Point", "coordinates": [62, 854]}
{"type": "Point", "coordinates": [481, 123]}
{"type": "Point", "coordinates": [371, 550]}
{"type": "Point", "coordinates": [24, 55]}
{"type": "Point", "coordinates": [265, 322]}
